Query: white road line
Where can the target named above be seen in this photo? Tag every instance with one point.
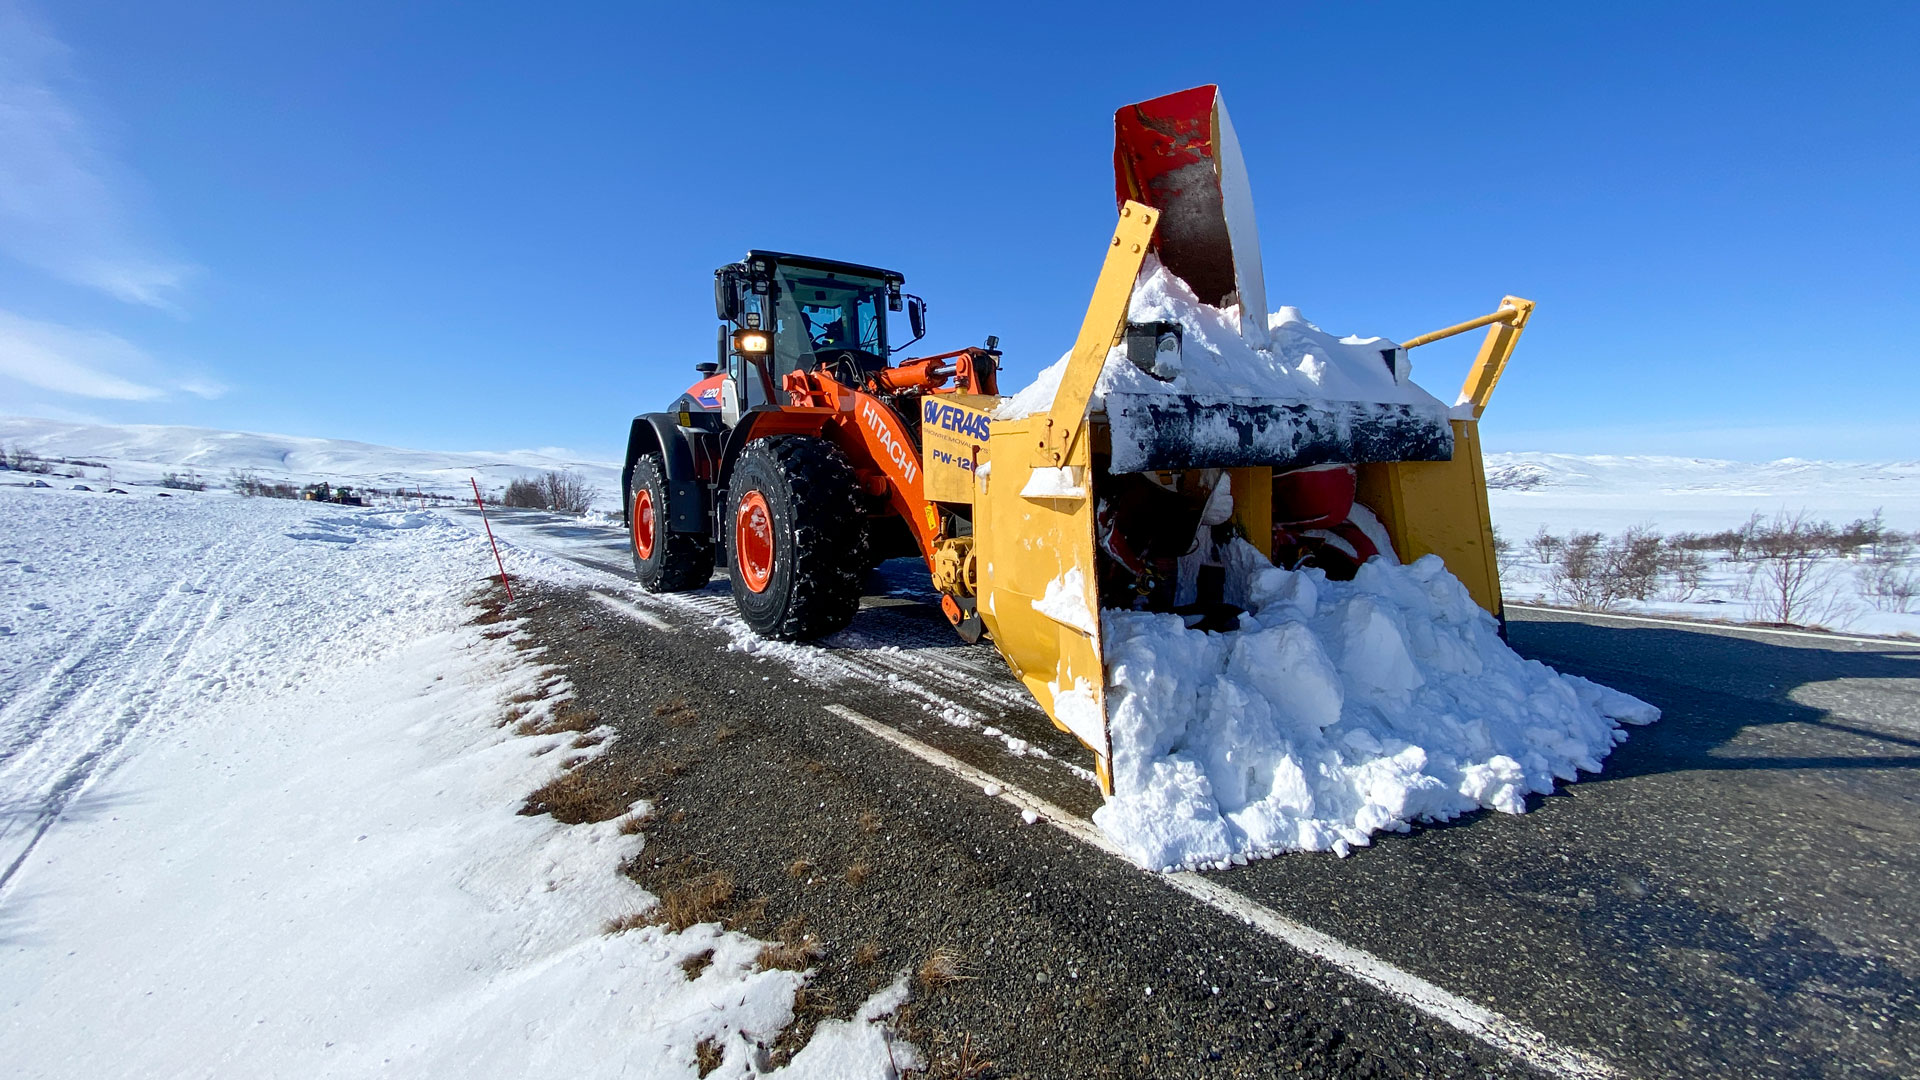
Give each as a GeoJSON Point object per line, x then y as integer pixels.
{"type": "Point", "coordinates": [633, 612]}
{"type": "Point", "coordinates": [1735, 627]}
{"type": "Point", "coordinates": [1490, 1027]}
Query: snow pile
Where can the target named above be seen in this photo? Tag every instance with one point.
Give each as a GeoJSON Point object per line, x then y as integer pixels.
{"type": "Point", "coordinates": [1337, 710]}
{"type": "Point", "coordinates": [1216, 364]}
{"type": "Point", "coordinates": [260, 817]}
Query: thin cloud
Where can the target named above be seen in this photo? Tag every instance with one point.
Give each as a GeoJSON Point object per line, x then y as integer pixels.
{"type": "Point", "coordinates": [83, 363]}
{"type": "Point", "coordinates": [62, 202]}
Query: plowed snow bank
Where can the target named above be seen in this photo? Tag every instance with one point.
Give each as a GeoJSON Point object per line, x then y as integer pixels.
{"type": "Point", "coordinates": [1337, 710]}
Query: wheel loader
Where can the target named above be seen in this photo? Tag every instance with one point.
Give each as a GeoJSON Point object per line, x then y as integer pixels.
{"type": "Point", "coordinates": [808, 452]}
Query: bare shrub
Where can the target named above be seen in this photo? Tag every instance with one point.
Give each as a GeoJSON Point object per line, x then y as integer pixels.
{"type": "Point", "coordinates": [1859, 534]}
{"type": "Point", "coordinates": [187, 481]}
{"type": "Point", "coordinates": [1788, 584]}
{"type": "Point", "coordinates": [1739, 543]}
{"type": "Point", "coordinates": [557, 489]}
{"type": "Point", "coordinates": [525, 495]}
{"type": "Point", "coordinates": [1634, 557]}
{"type": "Point", "coordinates": [1502, 547]}
{"type": "Point", "coordinates": [247, 482]}
{"type": "Point", "coordinates": [1886, 579]}
{"type": "Point", "coordinates": [1579, 578]}
{"type": "Point", "coordinates": [1545, 546]}
{"type": "Point", "coordinates": [21, 459]}
{"type": "Point", "coordinates": [1683, 568]}
{"type": "Point", "coordinates": [1596, 573]}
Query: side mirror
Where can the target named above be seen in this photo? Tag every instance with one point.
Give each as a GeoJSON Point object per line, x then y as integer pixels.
{"type": "Point", "coordinates": [917, 316]}
{"type": "Point", "coordinates": [706, 367]}
{"type": "Point", "coordinates": [726, 300]}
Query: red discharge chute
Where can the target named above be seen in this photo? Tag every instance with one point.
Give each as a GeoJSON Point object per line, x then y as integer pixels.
{"type": "Point", "coordinates": [1178, 153]}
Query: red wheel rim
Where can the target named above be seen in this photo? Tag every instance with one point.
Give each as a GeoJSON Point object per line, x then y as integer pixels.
{"type": "Point", "coordinates": [643, 523]}
{"type": "Point", "coordinates": [753, 541]}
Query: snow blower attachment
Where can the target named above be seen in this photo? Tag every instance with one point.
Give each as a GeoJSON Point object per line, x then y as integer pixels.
{"type": "Point", "coordinates": [1184, 417]}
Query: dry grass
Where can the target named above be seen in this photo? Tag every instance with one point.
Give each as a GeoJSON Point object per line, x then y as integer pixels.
{"type": "Point", "coordinates": [815, 767]}
{"type": "Point", "coordinates": [676, 817]}
{"type": "Point", "coordinates": [697, 963]}
{"type": "Point", "coordinates": [699, 899]}
{"type": "Point", "coordinates": [964, 1064]}
{"type": "Point", "coordinates": [567, 716]}
{"type": "Point", "coordinates": [869, 821]}
{"type": "Point", "coordinates": [754, 911]}
{"type": "Point", "coordinates": [800, 868]}
{"type": "Point", "coordinates": [795, 951]}
{"type": "Point", "coordinates": [858, 873]}
{"type": "Point", "coordinates": [629, 922]}
{"type": "Point", "coordinates": [708, 1056]}
{"type": "Point", "coordinates": [594, 792]}
{"type": "Point", "coordinates": [790, 955]}
{"type": "Point", "coordinates": [676, 713]}
{"type": "Point", "coordinates": [634, 825]}
{"type": "Point", "coordinates": [867, 954]}
{"type": "Point", "coordinates": [722, 733]}
{"type": "Point", "coordinates": [944, 965]}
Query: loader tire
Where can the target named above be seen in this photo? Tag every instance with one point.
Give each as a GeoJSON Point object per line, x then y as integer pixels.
{"type": "Point", "coordinates": [665, 561]}
{"type": "Point", "coordinates": [796, 538]}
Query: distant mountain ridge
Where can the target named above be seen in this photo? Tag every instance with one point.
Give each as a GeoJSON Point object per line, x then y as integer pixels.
{"type": "Point", "coordinates": [1536, 470]}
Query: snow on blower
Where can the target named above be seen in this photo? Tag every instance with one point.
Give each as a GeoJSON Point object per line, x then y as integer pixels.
{"type": "Point", "coordinates": [1247, 563]}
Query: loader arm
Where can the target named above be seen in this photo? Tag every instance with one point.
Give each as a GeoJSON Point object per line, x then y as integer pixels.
{"type": "Point", "coordinates": [1100, 331]}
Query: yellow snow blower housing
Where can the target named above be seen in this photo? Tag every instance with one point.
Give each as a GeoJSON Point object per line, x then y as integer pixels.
{"type": "Point", "coordinates": [1066, 519]}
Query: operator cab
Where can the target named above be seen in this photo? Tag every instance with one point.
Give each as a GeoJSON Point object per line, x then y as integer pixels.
{"type": "Point", "coordinates": [783, 313]}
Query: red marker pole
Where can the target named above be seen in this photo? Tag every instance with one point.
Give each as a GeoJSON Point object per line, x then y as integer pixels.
{"type": "Point", "coordinates": [496, 545]}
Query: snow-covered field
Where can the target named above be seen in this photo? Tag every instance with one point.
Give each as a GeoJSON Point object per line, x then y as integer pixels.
{"type": "Point", "coordinates": [140, 454]}
{"type": "Point", "coordinates": [1858, 593]}
{"type": "Point", "coordinates": [258, 817]}
{"type": "Point", "coordinates": [1609, 493]}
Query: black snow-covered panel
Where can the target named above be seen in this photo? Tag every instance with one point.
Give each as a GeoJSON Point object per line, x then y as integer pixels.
{"type": "Point", "coordinates": [1167, 432]}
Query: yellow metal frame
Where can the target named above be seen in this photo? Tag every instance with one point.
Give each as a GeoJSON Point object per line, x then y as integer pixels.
{"type": "Point", "coordinates": [1440, 507]}
{"type": "Point", "coordinates": [1100, 331]}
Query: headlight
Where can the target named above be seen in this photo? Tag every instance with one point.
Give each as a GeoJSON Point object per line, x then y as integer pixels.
{"type": "Point", "coordinates": [752, 342]}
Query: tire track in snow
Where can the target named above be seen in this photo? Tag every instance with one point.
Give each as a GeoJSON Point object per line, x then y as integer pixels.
{"type": "Point", "coordinates": [61, 754]}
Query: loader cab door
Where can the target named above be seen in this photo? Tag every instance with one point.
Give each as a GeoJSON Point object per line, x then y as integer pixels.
{"type": "Point", "coordinates": [741, 390]}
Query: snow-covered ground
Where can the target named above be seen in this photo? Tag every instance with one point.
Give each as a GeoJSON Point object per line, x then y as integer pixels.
{"type": "Point", "coordinates": [258, 816]}
{"type": "Point", "coordinates": [1565, 494]}
{"type": "Point", "coordinates": [1609, 493]}
{"type": "Point", "coordinates": [140, 454]}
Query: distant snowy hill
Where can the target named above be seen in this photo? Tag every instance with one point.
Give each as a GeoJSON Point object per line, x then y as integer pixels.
{"type": "Point", "coordinates": [1561, 491]}
{"type": "Point", "coordinates": [1611, 492]}
{"type": "Point", "coordinates": [141, 453]}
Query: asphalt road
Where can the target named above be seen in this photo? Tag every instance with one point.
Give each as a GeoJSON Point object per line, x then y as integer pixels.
{"type": "Point", "coordinates": [1734, 895]}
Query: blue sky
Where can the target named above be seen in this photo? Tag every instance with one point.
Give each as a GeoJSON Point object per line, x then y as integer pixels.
{"type": "Point", "coordinates": [494, 226]}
